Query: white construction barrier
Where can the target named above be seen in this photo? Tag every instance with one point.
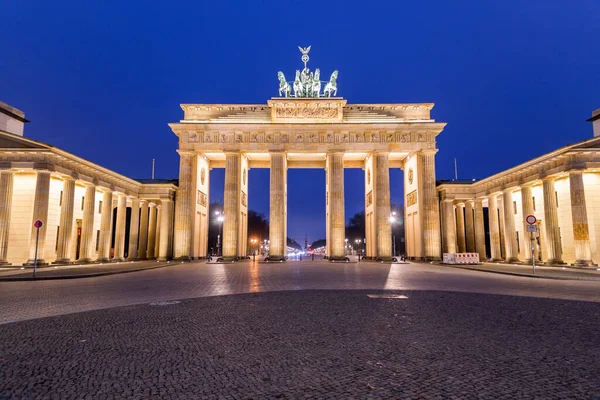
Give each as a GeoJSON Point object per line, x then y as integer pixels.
{"type": "Point", "coordinates": [460, 258]}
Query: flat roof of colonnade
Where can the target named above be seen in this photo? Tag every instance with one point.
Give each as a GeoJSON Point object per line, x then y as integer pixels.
{"type": "Point", "coordinates": [307, 129]}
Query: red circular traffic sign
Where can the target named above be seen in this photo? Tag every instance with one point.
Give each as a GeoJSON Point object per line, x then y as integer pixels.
{"type": "Point", "coordinates": [531, 219]}
{"type": "Point", "coordinates": [38, 224]}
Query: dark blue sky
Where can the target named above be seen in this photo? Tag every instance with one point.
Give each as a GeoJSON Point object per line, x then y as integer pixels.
{"type": "Point", "coordinates": [513, 79]}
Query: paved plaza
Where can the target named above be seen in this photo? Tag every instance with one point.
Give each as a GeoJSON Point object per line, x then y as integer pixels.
{"type": "Point", "coordinates": [300, 330]}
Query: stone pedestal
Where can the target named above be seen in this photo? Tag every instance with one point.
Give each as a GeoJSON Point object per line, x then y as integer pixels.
{"type": "Point", "coordinates": [277, 223]}
{"type": "Point", "coordinates": [581, 234]}
{"type": "Point", "coordinates": [87, 228]}
{"type": "Point", "coordinates": [65, 233]}
{"type": "Point", "coordinates": [105, 223]}
{"type": "Point", "coordinates": [495, 251]}
{"type": "Point", "coordinates": [337, 223]}
{"type": "Point", "coordinates": [40, 213]}
{"type": "Point", "coordinates": [480, 230]}
{"type": "Point", "coordinates": [6, 192]}
{"type": "Point", "coordinates": [551, 222]}
{"type": "Point", "coordinates": [512, 255]}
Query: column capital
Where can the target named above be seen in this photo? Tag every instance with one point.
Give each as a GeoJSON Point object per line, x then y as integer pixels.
{"type": "Point", "coordinates": [459, 203]}
{"type": "Point", "coordinates": [575, 172]}
{"type": "Point", "coordinates": [547, 178]}
{"type": "Point", "coordinates": [185, 152]}
{"type": "Point", "coordinates": [428, 151]}
{"type": "Point", "coordinates": [151, 204]}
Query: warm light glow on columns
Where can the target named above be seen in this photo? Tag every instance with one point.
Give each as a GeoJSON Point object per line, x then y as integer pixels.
{"type": "Point", "coordinates": [231, 206]}
{"type": "Point", "coordinates": [183, 211]}
{"type": "Point", "coordinates": [166, 224]}
{"type": "Point", "coordinates": [510, 242]}
{"type": "Point", "coordinates": [105, 222]}
{"type": "Point", "coordinates": [277, 214]}
{"type": "Point", "coordinates": [6, 192]}
{"type": "Point", "coordinates": [583, 253]}
{"type": "Point", "coordinates": [460, 228]}
{"type": "Point", "coordinates": [65, 233]}
{"type": "Point", "coordinates": [469, 227]}
{"type": "Point", "coordinates": [87, 225]}
{"type": "Point", "coordinates": [120, 227]}
{"type": "Point", "coordinates": [430, 209]}
{"type": "Point", "coordinates": [551, 222]}
{"type": "Point", "coordinates": [494, 228]}
{"type": "Point", "coordinates": [383, 228]}
{"type": "Point", "coordinates": [527, 208]}
{"type": "Point", "coordinates": [143, 235]}
{"type": "Point", "coordinates": [40, 212]}
{"type": "Point", "coordinates": [480, 230]}
{"type": "Point", "coordinates": [449, 227]}
{"type": "Point", "coordinates": [337, 227]}
{"type": "Point", "coordinates": [134, 229]}
{"type": "Point", "coordinates": [151, 231]}
{"type": "Point", "coordinates": [157, 233]}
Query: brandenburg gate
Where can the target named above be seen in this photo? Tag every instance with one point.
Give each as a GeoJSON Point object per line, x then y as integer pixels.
{"type": "Point", "coordinates": [306, 127]}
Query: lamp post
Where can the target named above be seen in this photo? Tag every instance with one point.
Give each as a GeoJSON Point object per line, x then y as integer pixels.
{"type": "Point", "coordinates": [357, 241]}
{"type": "Point", "coordinates": [253, 241]}
{"type": "Point", "coordinates": [393, 221]}
{"type": "Point", "coordinates": [220, 219]}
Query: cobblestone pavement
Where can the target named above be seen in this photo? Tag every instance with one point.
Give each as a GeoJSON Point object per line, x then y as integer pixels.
{"type": "Point", "coordinates": [554, 272]}
{"type": "Point", "coordinates": [28, 300]}
{"type": "Point", "coordinates": [75, 270]}
{"type": "Point", "coordinates": [310, 344]}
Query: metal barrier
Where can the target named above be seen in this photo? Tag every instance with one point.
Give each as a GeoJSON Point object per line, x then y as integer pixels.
{"type": "Point", "coordinates": [460, 258]}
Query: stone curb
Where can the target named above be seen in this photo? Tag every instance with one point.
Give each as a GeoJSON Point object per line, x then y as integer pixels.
{"type": "Point", "coordinates": [91, 275]}
{"type": "Point", "coordinates": [590, 279]}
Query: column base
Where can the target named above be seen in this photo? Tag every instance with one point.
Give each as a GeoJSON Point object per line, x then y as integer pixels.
{"type": "Point", "coordinates": [497, 260]}
{"type": "Point", "coordinates": [63, 261]}
{"type": "Point", "coordinates": [555, 262]}
{"type": "Point", "coordinates": [163, 259]}
{"type": "Point", "coordinates": [4, 263]}
{"type": "Point", "coordinates": [103, 260]}
{"type": "Point", "coordinates": [513, 260]}
{"type": "Point", "coordinates": [118, 259]}
{"type": "Point", "coordinates": [29, 263]}
{"type": "Point", "coordinates": [86, 261]}
{"type": "Point", "coordinates": [184, 258]}
{"type": "Point", "coordinates": [584, 263]}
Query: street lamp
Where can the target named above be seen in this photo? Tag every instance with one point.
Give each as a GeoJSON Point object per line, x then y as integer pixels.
{"type": "Point", "coordinates": [393, 221]}
{"type": "Point", "coordinates": [220, 219]}
{"type": "Point", "coordinates": [357, 241]}
{"type": "Point", "coordinates": [254, 241]}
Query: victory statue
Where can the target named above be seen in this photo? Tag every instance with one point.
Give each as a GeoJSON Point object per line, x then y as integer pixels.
{"type": "Point", "coordinates": [306, 84]}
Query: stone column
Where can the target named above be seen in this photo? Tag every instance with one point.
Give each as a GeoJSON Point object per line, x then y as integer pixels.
{"type": "Point", "coordinates": [6, 192]}
{"type": "Point", "coordinates": [337, 222]}
{"type": "Point", "coordinates": [183, 211]}
{"type": "Point", "coordinates": [583, 253]}
{"type": "Point", "coordinates": [551, 222]}
{"type": "Point", "coordinates": [510, 235]}
{"type": "Point", "coordinates": [480, 230]}
{"type": "Point", "coordinates": [151, 232]}
{"type": "Point", "coordinates": [382, 205]}
{"type": "Point", "coordinates": [40, 212]}
{"type": "Point", "coordinates": [431, 211]}
{"type": "Point", "coordinates": [449, 227]}
{"type": "Point", "coordinates": [527, 209]}
{"type": "Point", "coordinates": [120, 227]}
{"type": "Point", "coordinates": [166, 225]}
{"type": "Point", "coordinates": [231, 207]}
{"type": "Point", "coordinates": [277, 234]}
{"type": "Point", "coordinates": [143, 237]}
{"type": "Point", "coordinates": [494, 228]}
{"type": "Point", "coordinates": [66, 222]}
{"type": "Point", "coordinates": [87, 225]}
{"type": "Point", "coordinates": [105, 222]}
{"type": "Point", "coordinates": [460, 228]}
{"type": "Point", "coordinates": [158, 229]}
{"type": "Point", "coordinates": [469, 225]}
{"type": "Point", "coordinates": [134, 229]}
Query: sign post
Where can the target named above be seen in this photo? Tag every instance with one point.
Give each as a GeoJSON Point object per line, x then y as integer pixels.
{"type": "Point", "coordinates": [37, 224]}
{"type": "Point", "coordinates": [532, 229]}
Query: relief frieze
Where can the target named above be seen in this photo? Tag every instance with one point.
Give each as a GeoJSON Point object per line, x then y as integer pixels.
{"type": "Point", "coordinates": [306, 112]}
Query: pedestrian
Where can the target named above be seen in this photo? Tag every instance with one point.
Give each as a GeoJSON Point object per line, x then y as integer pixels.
{"type": "Point", "coordinates": [300, 257]}
{"type": "Point", "coordinates": [313, 256]}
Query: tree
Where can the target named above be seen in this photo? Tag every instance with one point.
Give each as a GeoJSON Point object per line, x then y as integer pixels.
{"type": "Point", "coordinates": [318, 243]}
{"type": "Point", "coordinates": [292, 243]}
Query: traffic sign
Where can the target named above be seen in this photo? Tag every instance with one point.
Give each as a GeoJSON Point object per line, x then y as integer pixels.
{"type": "Point", "coordinates": [531, 228]}
{"type": "Point", "coordinates": [37, 224]}
{"type": "Point", "coordinates": [531, 219]}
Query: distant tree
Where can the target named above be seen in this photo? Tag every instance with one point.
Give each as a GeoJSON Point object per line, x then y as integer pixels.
{"type": "Point", "coordinates": [258, 226]}
{"type": "Point", "coordinates": [356, 227]}
{"type": "Point", "coordinates": [318, 243]}
{"type": "Point", "coordinates": [292, 243]}
{"type": "Point", "coordinates": [213, 224]}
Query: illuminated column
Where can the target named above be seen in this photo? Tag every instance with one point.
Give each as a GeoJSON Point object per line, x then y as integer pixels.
{"type": "Point", "coordinates": [469, 224]}
{"type": "Point", "coordinates": [480, 230]}
{"type": "Point", "coordinates": [158, 229]}
{"type": "Point", "coordinates": [66, 222]}
{"type": "Point", "coordinates": [583, 253]}
{"type": "Point", "coordinates": [143, 236]}
{"type": "Point", "coordinates": [6, 192]}
{"type": "Point", "coordinates": [151, 231]}
{"type": "Point", "coordinates": [337, 226]}
{"type": "Point", "coordinates": [87, 226]}
{"type": "Point", "coordinates": [551, 222]}
{"type": "Point", "coordinates": [134, 229]}
{"type": "Point", "coordinates": [527, 208]}
{"type": "Point", "coordinates": [431, 211]}
{"type": "Point", "coordinates": [510, 234]}
{"type": "Point", "coordinates": [460, 228]}
{"type": "Point", "coordinates": [120, 227]}
{"type": "Point", "coordinates": [449, 227]}
{"type": "Point", "coordinates": [40, 213]}
{"type": "Point", "coordinates": [166, 225]}
{"type": "Point", "coordinates": [105, 222]}
{"type": "Point", "coordinates": [382, 205]}
{"type": "Point", "coordinates": [183, 211]}
{"type": "Point", "coordinates": [494, 228]}
{"type": "Point", "coordinates": [277, 234]}
{"type": "Point", "coordinates": [231, 207]}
